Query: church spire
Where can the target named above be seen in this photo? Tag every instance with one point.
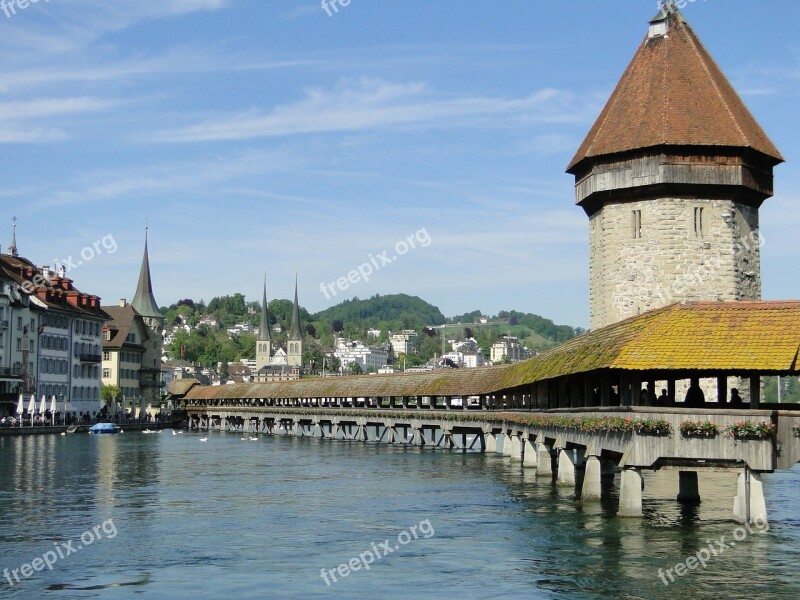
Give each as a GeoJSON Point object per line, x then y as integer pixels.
{"type": "Point", "coordinates": [12, 249]}
{"type": "Point", "coordinates": [295, 333]}
{"type": "Point", "coordinates": [264, 334]}
{"type": "Point", "coordinates": [144, 302]}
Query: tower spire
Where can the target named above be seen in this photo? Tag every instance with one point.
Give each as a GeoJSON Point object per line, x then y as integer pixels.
{"type": "Point", "coordinates": [264, 334]}
{"type": "Point", "coordinates": [12, 248]}
{"type": "Point", "coordinates": [294, 333]}
{"type": "Point", "coordinates": [144, 302]}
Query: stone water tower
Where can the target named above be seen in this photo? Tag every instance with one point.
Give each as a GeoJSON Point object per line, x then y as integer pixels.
{"type": "Point", "coordinates": [671, 176]}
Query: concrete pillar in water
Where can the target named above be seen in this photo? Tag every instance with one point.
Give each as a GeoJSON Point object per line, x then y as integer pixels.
{"type": "Point", "coordinates": [688, 489]}
{"type": "Point", "coordinates": [758, 505]}
{"type": "Point", "coordinates": [544, 467]}
{"type": "Point", "coordinates": [592, 487]}
{"type": "Point", "coordinates": [507, 445]}
{"type": "Point", "coordinates": [491, 442]}
{"type": "Point", "coordinates": [630, 493]}
{"type": "Point", "coordinates": [530, 454]}
{"type": "Point", "coordinates": [566, 468]}
{"type": "Point", "coordinates": [516, 448]}
{"type": "Point", "coordinates": [418, 440]}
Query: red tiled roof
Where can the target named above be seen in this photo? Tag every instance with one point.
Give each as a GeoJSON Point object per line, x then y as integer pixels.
{"type": "Point", "coordinates": [673, 94]}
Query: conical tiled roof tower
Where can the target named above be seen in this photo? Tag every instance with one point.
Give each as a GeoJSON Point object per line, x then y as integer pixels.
{"type": "Point", "coordinates": [144, 302]}
{"type": "Point", "coordinates": [672, 175]}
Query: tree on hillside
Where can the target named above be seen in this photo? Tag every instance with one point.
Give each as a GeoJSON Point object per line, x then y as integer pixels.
{"type": "Point", "coordinates": [337, 325]}
{"type": "Point", "coordinates": [355, 368]}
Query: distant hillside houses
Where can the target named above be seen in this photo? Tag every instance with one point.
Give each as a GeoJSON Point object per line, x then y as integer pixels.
{"type": "Point", "coordinates": [509, 348]}
{"type": "Point", "coordinates": [368, 358]}
{"type": "Point", "coordinates": [403, 342]}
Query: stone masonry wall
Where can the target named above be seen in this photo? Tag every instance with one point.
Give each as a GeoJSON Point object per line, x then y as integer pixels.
{"type": "Point", "coordinates": [671, 262]}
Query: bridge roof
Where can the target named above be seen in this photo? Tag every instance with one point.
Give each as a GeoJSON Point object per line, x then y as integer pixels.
{"type": "Point", "coordinates": [729, 337]}
{"type": "Point", "coordinates": [733, 337]}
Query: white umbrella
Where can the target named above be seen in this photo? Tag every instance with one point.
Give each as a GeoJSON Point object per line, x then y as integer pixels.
{"type": "Point", "coordinates": [43, 405]}
{"type": "Point", "coordinates": [20, 408]}
{"type": "Point", "coordinates": [32, 405]}
{"type": "Point", "coordinates": [142, 407]}
{"type": "Point", "coordinates": [53, 408]}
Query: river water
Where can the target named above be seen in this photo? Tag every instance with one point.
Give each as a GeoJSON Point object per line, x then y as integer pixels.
{"type": "Point", "coordinates": [170, 516]}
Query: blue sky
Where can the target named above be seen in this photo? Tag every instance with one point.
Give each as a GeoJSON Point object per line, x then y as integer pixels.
{"type": "Point", "coordinates": [253, 134]}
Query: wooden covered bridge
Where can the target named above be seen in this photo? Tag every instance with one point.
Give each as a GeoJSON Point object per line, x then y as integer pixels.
{"type": "Point", "coordinates": [592, 400]}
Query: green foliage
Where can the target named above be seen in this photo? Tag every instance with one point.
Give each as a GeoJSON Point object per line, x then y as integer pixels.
{"type": "Point", "coordinates": [109, 392]}
{"type": "Point", "coordinates": [790, 390]}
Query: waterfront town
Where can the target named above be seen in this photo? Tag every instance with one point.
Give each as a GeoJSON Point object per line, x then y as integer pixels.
{"type": "Point", "coordinates": [61, 347]}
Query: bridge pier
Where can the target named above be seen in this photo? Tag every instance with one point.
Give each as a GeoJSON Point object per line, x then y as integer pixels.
{"type": "Point", "coordinates": [419, 437]}
{"type": "Point", "coordinates": [630, 493]}
{"type": "Point", "coordinates": [592, 480]}
{"type": "Point", "coordinates": [516, 448]}
{"type": "Point", "coordinates": [544, 467]}
{"type": "Point", "coordinates": [748, 508]}
{"type": "Point", "coordinates": [506, 444]}
{"type": "Point", "coordinates": [566, 468]}
{"type": "Point", "coordinates": [529, 454]}
{"type": "Point", "coordinates": [688, 489]}
{"type": "Point", "coordinates": [489, 442]}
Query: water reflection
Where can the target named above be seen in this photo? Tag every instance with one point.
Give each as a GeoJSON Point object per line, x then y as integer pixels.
{"type": "Point", "coordinates": [231, 517]}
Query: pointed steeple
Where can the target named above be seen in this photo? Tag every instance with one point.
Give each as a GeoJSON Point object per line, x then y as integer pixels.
{"type": "Point", "coordinates": [144, 302]}
{"type": "Point", "coordinates": [12, 248]}
{"type": "Point", "coordinates": [264, 334]}
{"type": "Point", "coordinates": [294, 333]}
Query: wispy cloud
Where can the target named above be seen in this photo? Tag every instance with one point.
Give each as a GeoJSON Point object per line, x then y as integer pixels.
{"type": "Point", "coordinates": [373, 104]}
{"type": "Point", "coordinates": [186, 177]}
{"type": "Point", "coordinates": [18, 118]}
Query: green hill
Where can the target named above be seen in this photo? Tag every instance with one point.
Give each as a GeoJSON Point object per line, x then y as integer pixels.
{"type": "Point", "coordinates": [399, 310]}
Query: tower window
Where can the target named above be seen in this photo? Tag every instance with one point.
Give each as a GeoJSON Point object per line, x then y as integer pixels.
{"type": "Point", "coordinates": [636, 224]}
{"type": "Point", "coordinates": [698, 222]}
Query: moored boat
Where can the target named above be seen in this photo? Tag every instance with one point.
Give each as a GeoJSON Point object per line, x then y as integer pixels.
{"type": "Point", "coordinates": [104, 428]}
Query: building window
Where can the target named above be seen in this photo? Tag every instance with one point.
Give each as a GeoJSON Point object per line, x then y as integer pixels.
{"type": "Point", "coordinates": [698, 222]}
{"type": "Point", "coordinates": [636, 224]}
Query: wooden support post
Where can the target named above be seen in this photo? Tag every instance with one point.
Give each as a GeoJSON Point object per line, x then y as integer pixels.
{"type": "Point", "coordinates": [722, 390]}
{"type": "Point", "coordinates": [755, 391]}
{"type": "Point", "coordinates": [605, 390]}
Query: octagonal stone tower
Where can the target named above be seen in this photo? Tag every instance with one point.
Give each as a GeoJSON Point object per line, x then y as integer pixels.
{"type": "Point", "coordinates": [671, 176]}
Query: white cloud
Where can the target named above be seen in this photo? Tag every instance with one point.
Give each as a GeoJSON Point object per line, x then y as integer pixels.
{"type": "Point", "coordinates": [373, 104]}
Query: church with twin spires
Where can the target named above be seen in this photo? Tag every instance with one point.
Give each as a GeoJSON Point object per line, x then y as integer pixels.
{"type": "Point", "coordinates": [286, 364]}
